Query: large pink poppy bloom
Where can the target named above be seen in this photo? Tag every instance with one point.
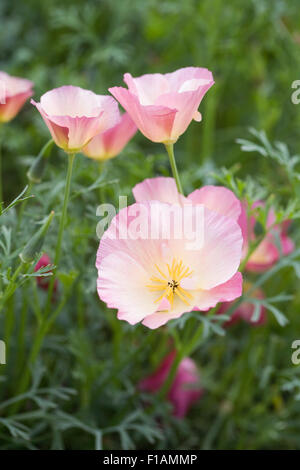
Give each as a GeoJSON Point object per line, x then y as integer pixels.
{"type": "Point", "coordinates": [111, 142]}
{"type": "Point", "coordinates": [153, 280]}
{"type": "Point", "coordinates": [245, 311]}
{"type": "Point", "coordinates": [162, 106]}
{"type": "Point", "coordinates": [14, 92]}
{"type": "Point", "coordinates": [74, 115]}
{"type": "Point", "coordinates": [185, 389]}
{"type": "Point", "coordinates": [267, 253]}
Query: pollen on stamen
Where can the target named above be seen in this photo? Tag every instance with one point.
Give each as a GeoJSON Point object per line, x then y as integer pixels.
{"type": "Point", "coordinates": [169, 283]}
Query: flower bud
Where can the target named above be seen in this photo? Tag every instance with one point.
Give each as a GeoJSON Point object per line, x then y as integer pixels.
{"type": "Point", "coordinates": [37, 169]}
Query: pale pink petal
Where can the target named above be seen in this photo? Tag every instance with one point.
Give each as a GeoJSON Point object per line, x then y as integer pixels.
{"type": "Point", "coordinates": [148, 88]}
{"type": "Point", "coordinates": [158, 189]}
{"type": "Point", "coordinates": [111, 142]}
{"type": "Point", "coordinates": [59, 133]}
{"type": "Point", "coordinates": [155, 122]}
{"type": "Point", "coordinates": [158, 319]}
{"type": "Point", "coordinates": [12, 105]}
{"type": "Point", "coordinates": [226, 292]}
{"type": "Point", "coordinates": [117, 137]}
{"type": "Point", "coordinates": [218, 199]}
{"type": "Point", "coordinates": [76, 102]}
{"type": "Point", "coordinates": [127, 293]}
{"type": "Point", "coordinates": [117, 237]}
{"type": "Point", "coordinates": [186, 103]}
{"type": "Point", "coordinates": [219, 258]}
{"type": "Point", "coordinates": [178, 78]}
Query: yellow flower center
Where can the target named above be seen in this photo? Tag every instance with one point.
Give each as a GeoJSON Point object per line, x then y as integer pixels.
{"type": "Point", "coordinates": [169, 282]}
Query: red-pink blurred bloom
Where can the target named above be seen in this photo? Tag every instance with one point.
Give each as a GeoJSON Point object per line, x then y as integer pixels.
{"type": "Point", "coordinates": [111, 142]}
{"type": "Point", "coordinates": [154, 280]}
{"type": "Point", "coordinates": [44, 281]}
{"type": "Point", "coordinates": [74, 115]}
{"type": "Point", "coordinates": [185, 389]}
{"type": "Point", "coordinates": [162, 106]}
{"type": "Point", "coordinates": [14, 92]}
{"type": "Point", "coordinates": [267, 253]}
{"type": "Point", "coordinates": [246, 309]}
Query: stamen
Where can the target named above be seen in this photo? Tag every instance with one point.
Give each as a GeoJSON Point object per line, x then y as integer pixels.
{"type": "Point", "coordinates": [169, 283]}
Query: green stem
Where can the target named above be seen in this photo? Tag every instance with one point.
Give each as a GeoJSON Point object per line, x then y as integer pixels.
{"type": "Point", "coordinates": [170, 151]}
{"type": "Point", "coordinates": [184, 349]}
{"type": "Point", "coordinates": [71, 157]}
{"type": "Point", "coordinates": [23, 205]}
{"type": "Point", "coordinates": [172, 374]}
{"type": "Point", "coordinates": [10, 291]}
{"type": "Point", "coordinates": [1, 190]}
{"type": "Point", "coordinates": [22, 330]}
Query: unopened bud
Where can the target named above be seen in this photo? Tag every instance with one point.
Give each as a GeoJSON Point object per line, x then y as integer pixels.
{"type": "Point", "coordinates": [37, 169]}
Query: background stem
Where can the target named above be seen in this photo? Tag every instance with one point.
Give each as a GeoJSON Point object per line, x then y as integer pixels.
{"type": "Point", "coordinates": [71, 157]}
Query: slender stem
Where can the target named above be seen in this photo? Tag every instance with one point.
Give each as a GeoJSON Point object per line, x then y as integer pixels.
{"type": "Point", "coordinates": [9, 291]}
{"type": "Point", "coordinates": [65, 206]}
{"type": "Point", "coordinates": [23, 205]}
{"type": "Point", "coordinates": [71, 157]}
{"type": "Point", "coordinates": [172, 373]}
{"type": "Point", "coordinates": [170, 150]}
{"type": "Point", "coordinates": [186, 348]}
{"type": "Point", "coordinates": [1, 190]}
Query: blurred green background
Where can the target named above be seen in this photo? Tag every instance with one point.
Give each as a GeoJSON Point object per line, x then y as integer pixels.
{"type": "Point", "coordinates": [253, 50]}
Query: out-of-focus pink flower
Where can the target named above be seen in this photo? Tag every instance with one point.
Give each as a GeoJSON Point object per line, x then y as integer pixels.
{"type": "Point", "coordinates": [267, 252]}
{"type": "Point", "coordinates": [246, 310]}
{"type": "Point", "coordinates": [42, 281]}
{"type": "Point", "coordinates": [74, 115]}
{"type": "Point", "coordinates": [14, 92]}
{"type": "Point", "coordinates": [185, 389]}
{"type": "Point", "coordinates": [154, 279]}
{"type": "Point", "coordinates": [110, 143]}
{"type": "Point", "coordinates": [162, 106]}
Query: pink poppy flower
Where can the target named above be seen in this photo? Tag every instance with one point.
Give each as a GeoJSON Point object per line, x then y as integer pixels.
{"type": "Point", "coordinates": [74, 115]}
{"type": "Point", "coordinates": [111, 142]}
{"type": "Point", "coordinates": [185, 389]}
{"type": "Point", "coordinates": [267, 252]}
{"type": "Point", "coordinates": [246, 310]}
{"type": "Point", "coordinates": [14, 92]}
{"type": "Point", "coordinates": [153, 280]}
{"type": "Point", "coordinates": [162, 106]}
{"type": "Point", "coordinates": [44, 282]}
